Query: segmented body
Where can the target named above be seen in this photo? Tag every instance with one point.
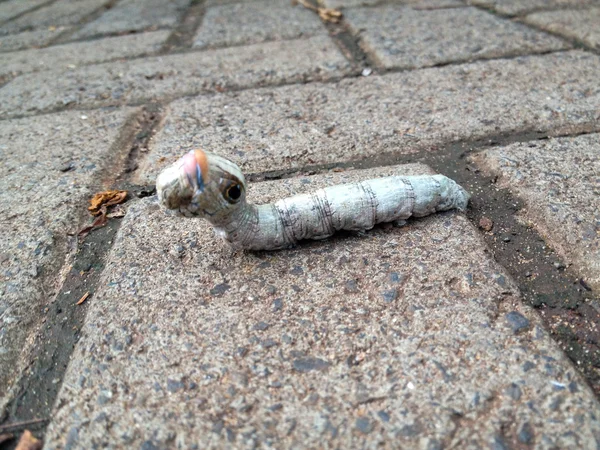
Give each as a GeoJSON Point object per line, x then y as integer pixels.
{"type": "Point", "coordinates": [208, 186]}
{"type": "Point", "coordinates": [357, 206]}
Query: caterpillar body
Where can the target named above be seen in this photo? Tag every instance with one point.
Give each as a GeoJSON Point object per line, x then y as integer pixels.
{"type": "Point", "coordinates": [204, 185]}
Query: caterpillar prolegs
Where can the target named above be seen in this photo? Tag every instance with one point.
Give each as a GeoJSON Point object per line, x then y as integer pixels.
{"type": "Point", "coordinates": [205, 185]}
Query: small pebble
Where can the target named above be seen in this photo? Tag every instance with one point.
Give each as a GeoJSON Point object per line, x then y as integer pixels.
{"type": "Point", "coordinates": [486, 224]}
{"type": "Point", "coordinates": [559, 265]}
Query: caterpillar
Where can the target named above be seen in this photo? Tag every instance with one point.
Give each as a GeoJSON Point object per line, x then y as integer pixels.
{"type": "Point", "coordinates": [205, 185]}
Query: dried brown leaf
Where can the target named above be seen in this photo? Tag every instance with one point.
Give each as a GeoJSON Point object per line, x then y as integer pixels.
{"type": "Point", "coordinates": [83, 298]}
{"type": "Point", "coordinates": [100, 221]}
{"type": "Point", "coordinates": [326, 14]}
{"type": "Point", "coordinates": [329, 15]}
{"type": "Point", "coordinates": [106, 198]}
{"type": "Point", "coordinates": [28, 442]}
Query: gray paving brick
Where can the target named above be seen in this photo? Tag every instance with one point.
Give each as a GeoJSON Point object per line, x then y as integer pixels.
{"type": "Point", "coordinates": [135, 15]}
{"type": "Point", "coordinates": [81, 53]}
{"type": "Point", "coordinates": [295, 126]}
{"type": "Point", "coordinates": [61, 12]}
{"type": "Point", "coordinates": [402, 37]}
{"type": "Point", "coordinates": [12, 8]}
{"type": "Point", "coordinates": [148, 79]}
{"type": "Point", "coordinates": [26, 39]}
{"type": "Point", "coordinates": [417, 4]}
{"type": "Point", "coordinates": [582, 24]}
{"type": "Point", "coordinates": [517, 7]}
{"type": "Point", "coordinates": [559, 181]}
{"type": "Point", "coordinates": [187, 344]}
{"type": "Point", "coordinates": [41, 204]}
{"type": "Point", "coordinates": [259, 21]}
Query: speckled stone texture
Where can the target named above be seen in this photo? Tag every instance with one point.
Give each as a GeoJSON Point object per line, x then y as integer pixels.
{"type": "Point", "coordinates": [517, 7]}
{"type": "Point", "coordinates": [295, 126]}
{"type": "Point", "coordinates": [401, 337]}
{"type": "Point", "coordinates": [258, 21]}
{"type": "Point", "coordinates": [559, 181]}
{"type": "Point", "coordinates": [50, 166]}
{"type": "Point", "coordinates": [12, 8]}
{"type": "Point", "coordinates": [402, 37]}
{"type": "Point", "coordinates": [417, 4]}
{"type": "Point", "coordinates": [582, 24]}
{"type": "Point", "coordinates": [148, 79]}
{"type": "Point", "coordinates": [135, 15]}
{"type": "Point", "coordinates": [61, 12]}
{"type": "Point", "coordinates": [69, 56]}
{"type": "Point", "coordinates": [26, 39]}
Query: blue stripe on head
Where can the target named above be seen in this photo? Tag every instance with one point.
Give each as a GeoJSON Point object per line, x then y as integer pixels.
{"type": "Point", "coordinates": [199, 178]}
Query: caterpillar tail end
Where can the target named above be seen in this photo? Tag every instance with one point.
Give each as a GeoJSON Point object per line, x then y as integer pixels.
{"type": "Point", "coordinates": [462, 198]}
{"type": "Point", "coordinates": [453, 195]}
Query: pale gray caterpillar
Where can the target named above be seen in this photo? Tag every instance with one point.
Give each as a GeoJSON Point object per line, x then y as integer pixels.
{"type": "Point", "coordinates": [205, 185]}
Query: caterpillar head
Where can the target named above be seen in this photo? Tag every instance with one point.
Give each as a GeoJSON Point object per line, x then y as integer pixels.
{"type": "Point", "coordinates": [202, 185]}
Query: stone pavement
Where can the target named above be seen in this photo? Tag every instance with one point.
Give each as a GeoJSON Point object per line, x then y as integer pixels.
{"type": "Point", "coordinates": [475, 330]}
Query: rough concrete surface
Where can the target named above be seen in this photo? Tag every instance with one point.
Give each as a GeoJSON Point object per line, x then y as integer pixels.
{"type": "Point", "coordinates": [417, 4]}
{"type": "Point", "coordinates": [61, 12]}
{"type": "Point", "coordinates": [581, 24]}
{"type": "Point", "coordinates": [135, 15]}
{"type": "Point", "coordinates": [12, 8]}
{"type": "Point", "coordinates": [50, 166]}
{"type": "Point", "coordinates": [148, 79]}
{"type": "Point", "coordinates": [402, 37]}
{"type": "Point", "coordinates": [408, 336]}
{"type": "Point", "coordinates": [26, 39]}
{"type": "Point", "coordinates": [517, 7]}
{"type": "Point", "coordinates": [559, 181]}
{"type": "Point", "coordinates": [412, 337]}
{"type": "Point", "coordinates": [69, 56]}
{"type": "Point", "coordinates": [259, 21]}
{"type": "Point", "coordinates": [397, 113]}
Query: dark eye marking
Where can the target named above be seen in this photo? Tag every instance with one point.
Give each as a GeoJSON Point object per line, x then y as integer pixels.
{"type": "Point", "coordinates": [234, 192]}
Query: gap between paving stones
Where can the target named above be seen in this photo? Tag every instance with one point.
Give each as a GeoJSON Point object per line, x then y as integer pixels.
{"type": "Point", "coordinates": [349, 45]}
{"type": "Point", "coordinates": [331, 79]}
{"type": "Point", "coordinates": [65, 36]}
{"type": "Point", "coordinates": [576, 43]}
{"type": "Point", "coordinates": [27, 11]}
{"type": "Point", "coordinates": [38, 388]}
{"type": "Point", "coordinates": [182, 36]}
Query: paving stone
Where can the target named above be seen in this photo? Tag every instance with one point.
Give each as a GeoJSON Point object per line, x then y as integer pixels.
{"type": "Point", "coordinates": [402, 37]}
{"type": "Point", "coordinates": [12, 8]}
{"type": "Point", "coordinates": [61, 12]}
{"type": "Point", "coordinates": [417, 4]}
{"type": "Point", "coordinates": [581, 24]}
{"type": "Point", "coordinates": [259, 21]}
{"type": "Point", "coordinates": [41, 204]}
{"type": "Point", "coordinates": [517, 7]}
{"type": "Point", "coordinates": [163, 362]}
{"type": "Point", "coordinates": [26, 39]}
{"type": "Point", "coordinates": [295, 126]}
{"type": "Point", "coordinates": [81, 53]}
{"type": "Point", "coordinates": [148, 79]}
{"type": "Point", "coordinates": [559, 182]}
{"type": "Point", "coordinates": [135, 15]}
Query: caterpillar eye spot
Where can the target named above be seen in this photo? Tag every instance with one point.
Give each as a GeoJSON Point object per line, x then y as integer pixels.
{"type": "Point", "coordinates": [233, 193]}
